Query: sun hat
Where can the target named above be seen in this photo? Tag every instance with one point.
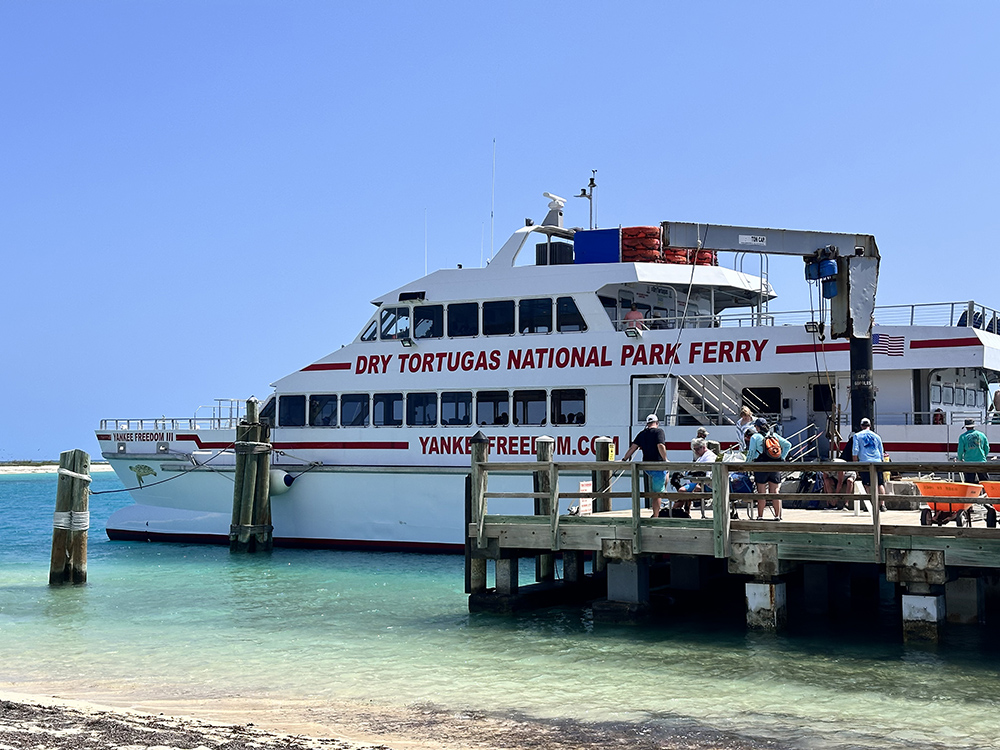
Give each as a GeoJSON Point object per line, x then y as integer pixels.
{"type": "Point", "coordinates": [652, 418]}
{"type": "Point", "coordinates": [970, 424]}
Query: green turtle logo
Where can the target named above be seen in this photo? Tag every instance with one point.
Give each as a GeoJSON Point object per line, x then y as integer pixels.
{"type": "Point", "coordinates": [140, 471]}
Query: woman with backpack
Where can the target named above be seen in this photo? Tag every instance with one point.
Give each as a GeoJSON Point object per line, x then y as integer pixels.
{"type": "Point", "coordinates": [767, 446]}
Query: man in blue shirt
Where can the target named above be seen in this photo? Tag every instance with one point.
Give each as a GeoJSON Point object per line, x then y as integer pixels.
{"type": "Point", "coordinates": [867, 448]}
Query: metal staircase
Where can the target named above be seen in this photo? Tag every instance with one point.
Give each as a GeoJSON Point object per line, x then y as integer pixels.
{"type": "Point", "coordinates": [713, 399]}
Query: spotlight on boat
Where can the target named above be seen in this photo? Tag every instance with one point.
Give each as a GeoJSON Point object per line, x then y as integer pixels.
{"type": "Point", "coordinates": [813, 327]}
{"type": "Point", "coordinates": [407, 342]}
{"type": "Point", "coordinates": [633, 333]}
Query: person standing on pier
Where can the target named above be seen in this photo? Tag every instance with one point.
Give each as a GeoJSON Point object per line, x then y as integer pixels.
{"type": "Point", "coordinates": [654, 449]}
{"type": "Point", "coordinates": [762, 447]}
{"type": "Point", "coordinates": [867, 448]}
{"type": "Point", "coordinates": [973, 446]}
{"type": "Point", "coordinates": [744, 423]}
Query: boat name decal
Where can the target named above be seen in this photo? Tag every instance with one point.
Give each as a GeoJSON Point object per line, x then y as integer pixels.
{"type": "Point", "coordinates": [513, 445]}
{"type": "Point", "coordinates": [142, 437]}
{"type": "Point", "coordinates": [547, 357]}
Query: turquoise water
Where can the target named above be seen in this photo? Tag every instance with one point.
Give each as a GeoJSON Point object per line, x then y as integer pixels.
{"type": "Point", "coordinates": [191, 622]}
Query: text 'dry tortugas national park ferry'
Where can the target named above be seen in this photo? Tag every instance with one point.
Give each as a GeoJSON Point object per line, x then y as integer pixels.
{"type": "Point", "coordinates": [371, 442]}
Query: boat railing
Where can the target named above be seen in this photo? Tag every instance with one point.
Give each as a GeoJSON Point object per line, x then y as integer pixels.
{"type": "Point", "coordinates": [967, 314]}
{"type": "Point", "coordinates": [933, 417]}
{"type": "Point", "coordinates": [224, 414]}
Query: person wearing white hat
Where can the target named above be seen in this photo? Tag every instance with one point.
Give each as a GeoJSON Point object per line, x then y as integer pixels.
{"type": "Point", "coordinates": [973, 446]}
{"type": "Point", "coordinates": [866, 447]}
{"type": "Point", "coordinates": [652, 443]}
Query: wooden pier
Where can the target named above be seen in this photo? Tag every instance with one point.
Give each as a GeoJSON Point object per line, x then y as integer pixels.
{"type": "Point", "coordinates": [938, 573]}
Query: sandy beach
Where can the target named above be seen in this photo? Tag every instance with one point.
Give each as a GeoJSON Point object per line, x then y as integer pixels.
{"type": "Point", "coordinates": [57, 723]}
{"type": "Point", "coordinates": [46, 468]}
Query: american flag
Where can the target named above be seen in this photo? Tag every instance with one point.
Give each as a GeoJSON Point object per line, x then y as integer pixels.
{"type": "Point", "coordinates": [891, 345]}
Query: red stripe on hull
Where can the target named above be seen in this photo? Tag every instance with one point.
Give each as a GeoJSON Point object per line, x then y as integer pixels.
{"type": "Point", "coordinates": [810, 348]}
{"type": "Point", "coordinates": [328, 366]}
{"type": "Point", "coordinates": [433, 548]}
{"type": "Point", "coordinates": [359, 445]}
{"type": "Point", "coordinates": [941, 343]}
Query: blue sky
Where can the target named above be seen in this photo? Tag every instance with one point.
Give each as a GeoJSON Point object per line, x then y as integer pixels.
{"type": "Point", "coordinates": [197, 198]}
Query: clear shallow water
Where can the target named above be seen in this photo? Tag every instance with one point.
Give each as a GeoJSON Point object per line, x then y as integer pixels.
{"type": "Point", "coordinates": [179, 621]}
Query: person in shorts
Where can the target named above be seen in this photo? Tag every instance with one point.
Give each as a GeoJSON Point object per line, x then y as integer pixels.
{"type": "Point", "coordinates": [652, 443]}
{"type": "Point", "coordinates": [768, 482]}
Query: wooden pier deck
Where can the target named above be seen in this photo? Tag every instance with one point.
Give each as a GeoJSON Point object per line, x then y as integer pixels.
{"type": "Point", "coordinates": [928, 563]}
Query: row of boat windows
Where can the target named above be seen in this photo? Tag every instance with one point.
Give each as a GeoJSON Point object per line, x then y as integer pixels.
{"type": "Point", "coordinates": [563, 406]}
{"type": "Point", "coordinates": [958, 396]}
{"type": "Point", "coordinates": [464, 319]}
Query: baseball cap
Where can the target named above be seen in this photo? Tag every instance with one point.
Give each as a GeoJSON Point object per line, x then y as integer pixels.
{"type": "Point", "coordinates": [652, 418]}
{"type": "Point", "coordinates": [760, 422]}
{"type": "Point", "coordinates": [865, 421]}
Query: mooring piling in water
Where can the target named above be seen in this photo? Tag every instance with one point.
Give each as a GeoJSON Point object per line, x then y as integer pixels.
{"type": "Point", "coordinates": [251, 529]}
{"type": "Point", "coordinates": [71, 519]}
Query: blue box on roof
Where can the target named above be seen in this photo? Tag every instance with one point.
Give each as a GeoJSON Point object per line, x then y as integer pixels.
{"type": "Point", "coordinates": [597, 246]}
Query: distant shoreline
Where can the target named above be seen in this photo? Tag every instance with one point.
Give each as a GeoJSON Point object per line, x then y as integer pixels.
{"type": "Point", "coordinates": [45, 467]}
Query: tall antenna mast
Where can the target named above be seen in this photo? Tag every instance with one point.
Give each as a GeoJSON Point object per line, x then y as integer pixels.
{"type": "Point", "coordinates": [425, 242]}
{"type": "Point", "coordinates": [588, 193]}
{"type": "Point", "coordinates": [493, 195]}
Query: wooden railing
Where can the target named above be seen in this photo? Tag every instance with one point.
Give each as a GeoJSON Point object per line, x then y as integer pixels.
{"type": "Point", "coordinates": [721, 498]}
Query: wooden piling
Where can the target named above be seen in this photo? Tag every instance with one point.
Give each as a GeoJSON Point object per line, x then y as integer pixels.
{"type": "Point", "coordinates": [604, 448]}
{"type": "Point", "coordinates": [545, 565]}
{"type": "Point", "coordinates": [251, 529]}
{"type": "Point", "coordinates": [71, 519]}
{"type": "Point", "coordinates": [475, 567]}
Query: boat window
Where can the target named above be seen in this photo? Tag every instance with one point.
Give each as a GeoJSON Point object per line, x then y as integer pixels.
{"type": "Point", "coordinates": [498, 318]}
{"type": "Point", "coordinates": [292, 411]}
{"type": "Point", "coordinates": [421, 409]}
{"type": "Point", "coordinates": [568, 406]}
{"type": "Point", "coordinates": [959, 397]}
{"type": "Point", "coordinates": [387, 410]}
{"type": "Point", "coordinates": [610, 307]}
{"type": "Point", "coordinates": [822, 397]}
{"type": "Point", "coordinates": [370, 332]}
{"type": "Point", "coordinates": [981, 399]}
{"type": "Point", "coordinates": [568, 317]}
{"type": "Point", "coordinates": [323, 410]}
{"type": "Point", "coordinates": [535, 315]}
{"type": "Point", "coordinates": [463, 319]}
{"type": "Point", "coordinates": [948, 395]}
{"type": "Point", "coordinates": [267, 412]}
{"type": "Point", "coordinates": [395, 323]}
{"type": "Point", "coordinates": [650, 399]}
{"type": "Point", "coordinates": [529, 407]}
{"type": "Point", "coordinates": [492, 407]}
{"type": "Point", "coordinates": [456, 408]}
{"type": "Point", "coordinates": [428, 322]}
{"type": "Point", "coordinates": [935, 394]}
{"type": "Point", "coordinates": [764, 401]}
{"type": "Point", "coordinates": [970, 397]}
{"type": "Point", "coordinates": [354, 410]}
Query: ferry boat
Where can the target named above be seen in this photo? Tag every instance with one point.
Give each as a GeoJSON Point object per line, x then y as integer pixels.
{"type": "Point", "coordinates": [570, 333]}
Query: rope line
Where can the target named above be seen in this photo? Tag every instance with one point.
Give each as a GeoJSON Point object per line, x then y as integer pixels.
{"type": "Point", "coordinates": [176, 476]}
